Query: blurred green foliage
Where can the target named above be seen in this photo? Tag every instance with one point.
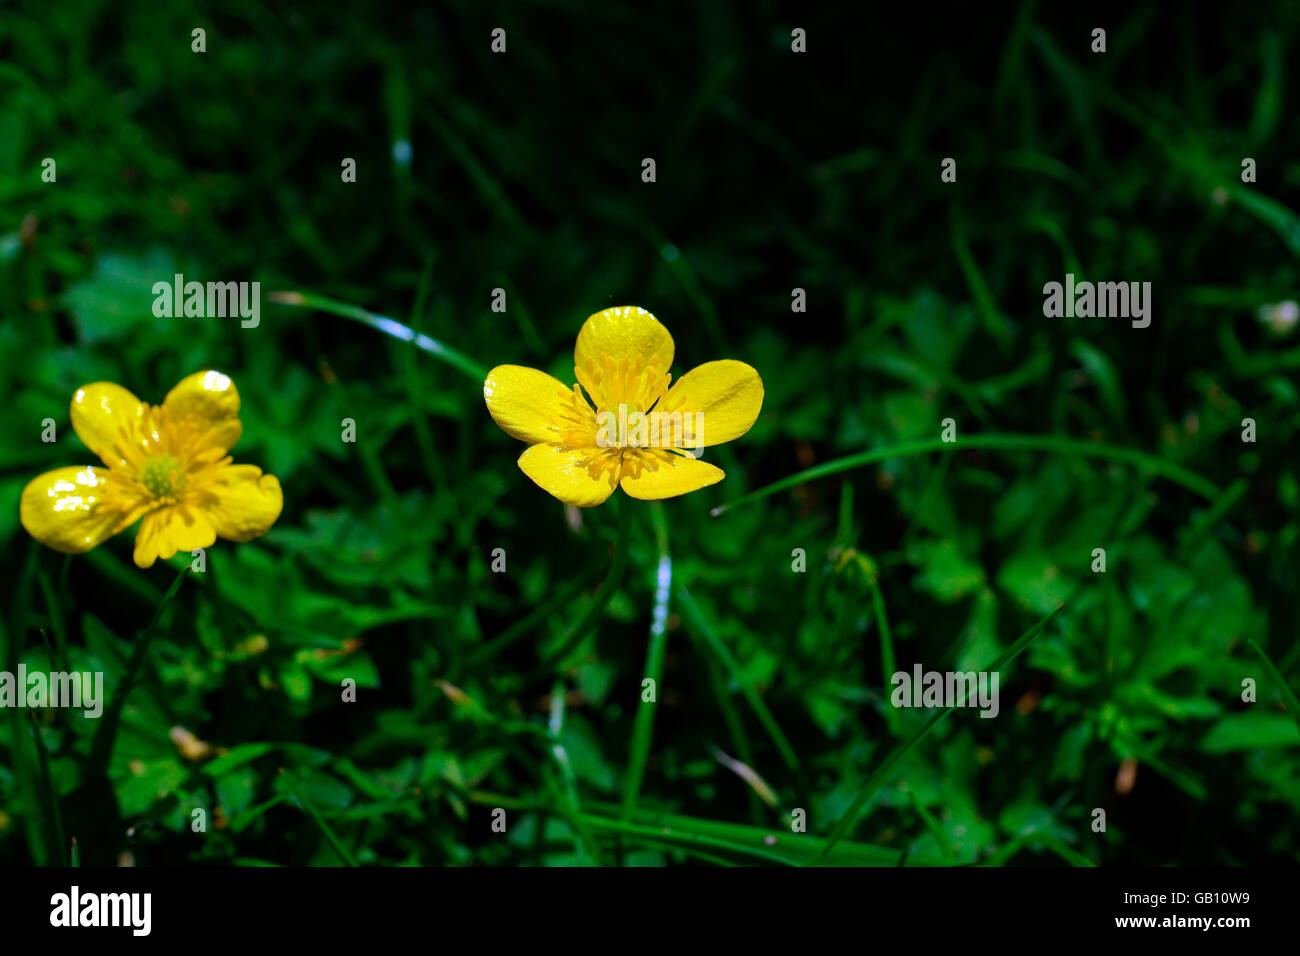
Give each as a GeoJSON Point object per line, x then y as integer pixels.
{"type": "Point", "coordinates": [774, 171]}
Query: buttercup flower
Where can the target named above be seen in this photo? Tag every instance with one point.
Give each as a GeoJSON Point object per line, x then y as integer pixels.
{"type": "Point", "coordinates": [629, 428]}
{"type": "Point", "coordinates": [165, 466]}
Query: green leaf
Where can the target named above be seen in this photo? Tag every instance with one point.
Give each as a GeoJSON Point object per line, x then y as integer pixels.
{"type": "Point", "coordinates": [946, 572]}
{"type": "Point", "coordinates": [1251, 731]}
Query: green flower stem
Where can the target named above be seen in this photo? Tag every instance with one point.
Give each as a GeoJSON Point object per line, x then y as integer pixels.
{"type": "Point", "coordinates": [370, 460]}
{"type": "Point", "coordinates": [53, 607]}
{"type": "Point", "coordinates": [639, 752]}
{"type": "Point", "coordinates": [49, 798]}
{"type": "Point", "coordinates": [682, 833]}
{"type": "Point", "coordinates": [887, 665]}
{"type": "Point", "coordinates": [612, 579]}
{"type": "Point", "coordinates": [700, 628]}
{"type": "Point", "coordinates": [319, 820]}
{"type": "Point", "coordinates": [992, 442]}
{"type": "Point", "coordinates": [524, 625]}
{"type": "Point", "coordinates": [457, 360]}
{"type": "Point", "coordinates": [41, 837]}
{"type": "Point", "coordinates": [1288, 695]}
{"type": "Point", "coordinates": [568, 787]}
{"type": "Point", "coordinates": [1212, 516]}
{"type": "Point", "coordinates": [102, 748]}
{"type": "Point", "coordinates": [415, 388]}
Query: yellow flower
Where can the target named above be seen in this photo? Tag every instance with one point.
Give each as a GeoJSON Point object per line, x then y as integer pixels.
{"type": "Point", "coordinates": [635, 431]}
{"type": "Point", "coordinates": [165, 466]}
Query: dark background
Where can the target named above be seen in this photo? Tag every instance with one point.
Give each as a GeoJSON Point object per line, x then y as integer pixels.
{"type": "Point", "coordinates": [775, 170]}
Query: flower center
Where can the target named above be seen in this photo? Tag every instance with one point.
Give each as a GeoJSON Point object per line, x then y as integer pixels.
{"type": "Point", "coordinates": [623, 392]}
{"type": "Point", "coordinates": [162, 476]}
{"type": "Point", "coordinates": [621, 428]}
{"type": "Point", "coordinates": [630, 427]}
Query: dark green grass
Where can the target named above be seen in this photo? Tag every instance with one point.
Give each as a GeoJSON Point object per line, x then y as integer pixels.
{"type": "Point", "coordinates": [522, 691]}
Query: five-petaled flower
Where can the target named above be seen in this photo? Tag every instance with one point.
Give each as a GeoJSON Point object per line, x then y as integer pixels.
{"type": "Point", "coordinates": [640, 434]}
{"type": "Point", "coordinates": [165, 466]}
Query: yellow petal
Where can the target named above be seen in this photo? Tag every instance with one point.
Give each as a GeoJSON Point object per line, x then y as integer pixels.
{"type": "Point", "coordinates": [530, 405]}
{"type": "Point", "coordinates": [243, 503]}
{"type": "Point", "coordinates": [167, 530]}
{"type": "Point", "coordinates": [577, 476]}
{"type": "Point", "coordinates": [727, 396]}
{"type": "Point", "coordinates": [99, 411]}
{"type": "Point", "coordinates": [210, 398]}
{"type": "Point", "coordinates": [673, 475]}
{"type": "Point", "coordinates": [624, 332]}
{"type": "Point", "coordinates": [64, 509]}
